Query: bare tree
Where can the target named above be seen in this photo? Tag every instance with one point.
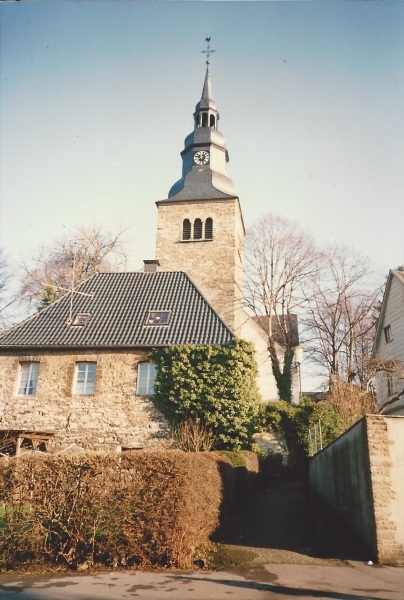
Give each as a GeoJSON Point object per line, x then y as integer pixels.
{"type": "Point", "coordinates": [6, 299]}
{"type": "Point", "coordinates": [351, 402]}
{"type": "Point", "coordinates": [48, 272]}
{"type": "Point", "coordinates": [279, 259]}
{"type": "Point", "coordinates": [340, 319]}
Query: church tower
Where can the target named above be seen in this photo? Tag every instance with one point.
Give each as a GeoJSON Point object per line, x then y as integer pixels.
{"type": "Point", "coordinates": [200, 225]}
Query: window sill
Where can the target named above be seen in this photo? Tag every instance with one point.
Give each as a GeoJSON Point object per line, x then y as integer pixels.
{"type": "Point", "coordinates": [190, 241]}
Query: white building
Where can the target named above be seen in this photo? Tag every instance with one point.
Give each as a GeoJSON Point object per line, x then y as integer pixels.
{"type": "Point", "coordinates": [389, 347]}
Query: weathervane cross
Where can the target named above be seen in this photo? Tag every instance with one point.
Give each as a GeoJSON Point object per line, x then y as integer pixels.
{"type": "Point", "coordinates": [208, 50]}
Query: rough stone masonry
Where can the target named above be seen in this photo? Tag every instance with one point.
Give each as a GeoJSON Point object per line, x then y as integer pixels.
{"type": "Point", "coordinates": [112, 418]}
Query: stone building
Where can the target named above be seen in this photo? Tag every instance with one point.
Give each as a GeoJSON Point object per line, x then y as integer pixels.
{"type": "Point", "coordinates": [85, 375]}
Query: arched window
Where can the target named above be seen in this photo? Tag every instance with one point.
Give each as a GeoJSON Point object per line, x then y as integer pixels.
{"type": "Point", "coordinates": [197, 229]}
{"type": "Point", "coordinates": [197, 121]}
{"type": "Point", "coordinates": [186, 229]}
{"type": "Point", "coordinates": [212, 121]}
{"type": "Point", "coordinates": [204, 119]}
{"type": "Point", "coordinates": [209, 229]}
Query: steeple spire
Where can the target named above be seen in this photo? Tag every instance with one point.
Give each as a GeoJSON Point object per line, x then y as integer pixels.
{"type": "Point", "coordinates": [207, 87]}
{"type": "Point", "coordinates": [204, 157]}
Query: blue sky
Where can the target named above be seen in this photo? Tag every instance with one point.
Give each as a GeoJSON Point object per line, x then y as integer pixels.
{"type": "Point", "coordinates": [97, 97]}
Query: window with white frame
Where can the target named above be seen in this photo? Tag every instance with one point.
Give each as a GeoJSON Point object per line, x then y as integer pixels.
{"type": "Point", "coordinates": [146, 376]}
{"type": "Point", "coordinates": [28, 379]}
{"type": "Point", "coordinates": [390, 384]}
{"type": "Point", "coordinates": [85, 379]}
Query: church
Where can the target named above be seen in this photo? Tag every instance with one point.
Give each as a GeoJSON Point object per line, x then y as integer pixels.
{"type": "Point", "coordinates": [77, 372]}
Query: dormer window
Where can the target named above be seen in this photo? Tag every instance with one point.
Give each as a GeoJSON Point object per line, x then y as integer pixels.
{"type": "Point", "coordinates": [158, 317]}
{"type": "Point", "coordinates": [81, 319]}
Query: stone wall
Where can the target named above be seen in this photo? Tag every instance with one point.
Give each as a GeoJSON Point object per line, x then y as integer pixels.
{"type": "Point", "coordinates": [215, 266]}
{"type": "Point", "coordinates": [361, 475]}
{"type": "Point", "coordinates": [113, 417]}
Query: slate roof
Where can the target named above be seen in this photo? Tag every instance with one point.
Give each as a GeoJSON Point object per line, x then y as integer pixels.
{"type": "Point", "coordinates": [118, 310]}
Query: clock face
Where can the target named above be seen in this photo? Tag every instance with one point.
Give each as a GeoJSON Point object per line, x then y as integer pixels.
{"type": "Point", "coordinates": [201, 157]}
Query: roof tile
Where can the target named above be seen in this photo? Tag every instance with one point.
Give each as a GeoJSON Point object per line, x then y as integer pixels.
{"type": "Point", "coordinates": [118, 309]}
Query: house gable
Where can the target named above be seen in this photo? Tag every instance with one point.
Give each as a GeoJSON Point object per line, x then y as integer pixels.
{"type": "Point", "coordinates": [389, 345]}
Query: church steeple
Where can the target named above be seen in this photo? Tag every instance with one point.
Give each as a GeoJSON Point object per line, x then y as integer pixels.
{"type": "Point", "coordinates": [206, 114]}
{"type": "Point", "coordinates": [204, 157]}
{"type": "Point", "coordinates": [200, 226]}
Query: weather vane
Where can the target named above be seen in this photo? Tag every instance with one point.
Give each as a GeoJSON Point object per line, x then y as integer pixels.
{"type": "Point", "coordinates": [208, 50]}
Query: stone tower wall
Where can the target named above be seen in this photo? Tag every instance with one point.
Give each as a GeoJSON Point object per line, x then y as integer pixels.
{"type": "Point", "coordinates": [215, 266]}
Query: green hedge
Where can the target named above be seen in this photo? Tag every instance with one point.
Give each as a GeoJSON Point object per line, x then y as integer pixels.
{"type": "Point", "coordinates": [294, 421]}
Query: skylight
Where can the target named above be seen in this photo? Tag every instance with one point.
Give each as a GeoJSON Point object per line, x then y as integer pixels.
{"type": "Point", "coordinates": [158, 317]}
{"type": "Point", "coordinates": [81, 319]}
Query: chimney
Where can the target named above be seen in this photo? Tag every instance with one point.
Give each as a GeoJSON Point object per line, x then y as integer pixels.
{"type": "Point", "coordinates": [150, 266]}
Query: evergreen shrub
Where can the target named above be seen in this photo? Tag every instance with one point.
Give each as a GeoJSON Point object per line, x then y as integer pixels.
{"type": "Point", "coordinates": [214, 385]}
{"type": "Point", "coordinates": [294, 421]}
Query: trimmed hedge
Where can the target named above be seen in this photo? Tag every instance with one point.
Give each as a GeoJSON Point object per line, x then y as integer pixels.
{"type": "Point", "coordinates": [140, 507]}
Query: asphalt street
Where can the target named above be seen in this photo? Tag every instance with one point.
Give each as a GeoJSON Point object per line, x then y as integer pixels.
{"type": "Point", "coordinates": [354, 581]}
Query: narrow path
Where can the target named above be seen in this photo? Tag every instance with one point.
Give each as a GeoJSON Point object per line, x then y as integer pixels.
{"type": "Point", "coordinates": [293, 525]}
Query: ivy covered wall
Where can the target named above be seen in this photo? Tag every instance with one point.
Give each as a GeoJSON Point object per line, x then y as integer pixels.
{"type": "Point", "coordinates": [213, 384]}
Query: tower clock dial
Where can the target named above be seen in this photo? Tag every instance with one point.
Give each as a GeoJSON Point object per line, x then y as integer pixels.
{"type": "Point", "coordinates": [201, 157]}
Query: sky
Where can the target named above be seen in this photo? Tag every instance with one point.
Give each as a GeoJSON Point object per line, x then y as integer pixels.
{"type": "Point", "coordinates": [96, 100]}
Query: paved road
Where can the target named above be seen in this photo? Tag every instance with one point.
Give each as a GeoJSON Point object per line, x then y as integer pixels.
{"type": "Point", "coordinates": [260, 582]}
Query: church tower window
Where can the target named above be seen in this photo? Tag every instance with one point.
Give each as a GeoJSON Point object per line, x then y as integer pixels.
{"type": "Point", "coordinates": [204, 119]}
{"type": "Point", "coordinates": [209, 229]}
{"type": "Point", "coordinates": [197, 229]}
{"type": "Point", "coordinates": [212, 121]}
{"type": "Point", "coordinates": [186, 229]}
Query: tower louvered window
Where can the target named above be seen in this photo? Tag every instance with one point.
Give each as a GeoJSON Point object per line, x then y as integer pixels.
{"type": "Point", "coordinates": [209, 229]}
{"type": "Point", "coordinates": [197, 229]}
{"type": "Point", "coordinates": [186, 229]}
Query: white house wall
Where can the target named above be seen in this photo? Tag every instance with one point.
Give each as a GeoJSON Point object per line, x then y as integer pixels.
{"type": "Point", "coordinates": [393, 316]}
{"type": "Point", "coordinates": [252, 332]}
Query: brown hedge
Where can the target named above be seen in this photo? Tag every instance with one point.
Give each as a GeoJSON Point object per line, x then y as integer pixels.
{"type": "Point", "coordinates": [141, 507]}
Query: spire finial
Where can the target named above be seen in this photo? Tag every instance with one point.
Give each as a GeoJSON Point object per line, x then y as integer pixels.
{"type": "Point", "coordinates": [208, 50]}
